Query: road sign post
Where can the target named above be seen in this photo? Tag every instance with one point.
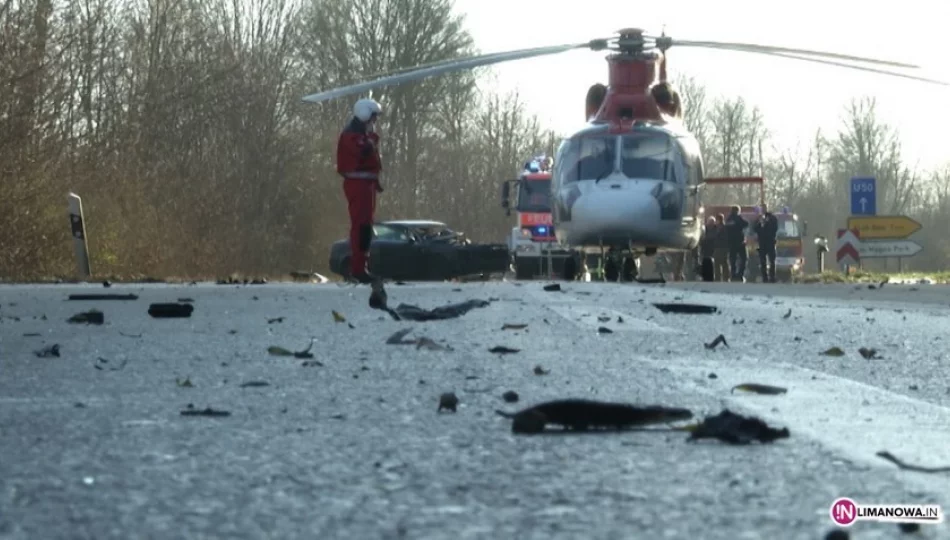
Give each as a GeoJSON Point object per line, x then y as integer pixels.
{"type": "Point", "coordinates": [863, 197]}
{"type": "Point", "coordinates": [77, 228]}
{"type": "Point", "coordinates": [849, 243]}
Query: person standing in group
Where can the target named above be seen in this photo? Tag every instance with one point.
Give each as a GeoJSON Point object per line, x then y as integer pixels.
{"type": "Point", "coordinates": [359, 162]}
{"type": "Point", "coordinates": [766, 228]}
{"type": "Point", "coordinates": [707, 246]}
{"type": "Point", "coordinates": [721, 250]}
{"type": "Point", "coordinates": [735, 231]}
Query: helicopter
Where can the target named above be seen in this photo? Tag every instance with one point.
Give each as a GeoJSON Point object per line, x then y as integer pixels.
{"type": "Point", "coordinates": [630, 182]}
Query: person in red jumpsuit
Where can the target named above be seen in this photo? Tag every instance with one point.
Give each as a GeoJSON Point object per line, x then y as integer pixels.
{"type": "Point", "coordinates": [358, 162]}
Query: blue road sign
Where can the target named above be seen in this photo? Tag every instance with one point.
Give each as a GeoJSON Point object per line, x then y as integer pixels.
{"type": "Point", "coordinates": [863, 197]}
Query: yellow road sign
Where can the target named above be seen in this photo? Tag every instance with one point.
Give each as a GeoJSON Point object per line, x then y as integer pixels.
{"type": "Point", "coordinates": [883, 227]}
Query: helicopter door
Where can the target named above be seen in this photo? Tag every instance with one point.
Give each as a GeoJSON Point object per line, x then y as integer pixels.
{"type": "Point", "coordinates": [694, 190]}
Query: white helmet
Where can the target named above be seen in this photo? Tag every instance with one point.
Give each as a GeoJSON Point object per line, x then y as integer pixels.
{"type": "Point", "coordinates": [365, 108]}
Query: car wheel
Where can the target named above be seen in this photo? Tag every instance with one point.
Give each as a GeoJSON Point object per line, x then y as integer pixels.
{"type": "Point", "coordinates": [345, 269]}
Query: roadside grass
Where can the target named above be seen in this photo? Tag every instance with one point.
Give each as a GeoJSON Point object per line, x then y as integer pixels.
{"type": "Point", "coordinates": [862, 276]}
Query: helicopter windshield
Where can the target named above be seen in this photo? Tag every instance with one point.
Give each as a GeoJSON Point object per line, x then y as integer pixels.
{"type": "Point", "coordinates": [643, 155]}
{"type": "Point", "coordinates": [649, 156]}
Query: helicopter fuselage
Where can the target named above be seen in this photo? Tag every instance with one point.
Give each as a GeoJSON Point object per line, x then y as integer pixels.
{"type": "Point", "coordinates": [630, 185]}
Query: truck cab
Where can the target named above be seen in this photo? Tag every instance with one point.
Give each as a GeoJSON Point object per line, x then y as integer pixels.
{"type": "Point", "coordinates": [532, 242]}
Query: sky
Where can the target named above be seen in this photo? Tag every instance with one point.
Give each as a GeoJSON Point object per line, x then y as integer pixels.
{"type": "Point", "coordinates": [796, 97]}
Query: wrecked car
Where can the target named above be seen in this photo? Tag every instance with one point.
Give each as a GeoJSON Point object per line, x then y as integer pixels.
{"type": "Point", "coordinates": [421, 250]}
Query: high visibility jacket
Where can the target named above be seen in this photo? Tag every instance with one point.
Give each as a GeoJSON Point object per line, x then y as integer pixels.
{"type": "Point", "coordinates": [357, 152]}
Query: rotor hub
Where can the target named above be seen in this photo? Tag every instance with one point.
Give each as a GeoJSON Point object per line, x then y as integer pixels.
{"type": "Point", "coordinates": [630, 41]}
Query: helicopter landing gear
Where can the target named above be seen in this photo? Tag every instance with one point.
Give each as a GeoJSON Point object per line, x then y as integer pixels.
{"type": "Point", "coordinates": [708, 271]}
{"type": "Point", "coordinates": [569, 270]}
{"type": "Point", "coordinates": [629, 271]}
{"type": "Point", "coordinates": [611, 269]}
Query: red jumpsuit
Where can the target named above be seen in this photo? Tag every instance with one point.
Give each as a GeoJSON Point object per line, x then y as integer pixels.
{"type": "Point", "coordinates": [358, 161]}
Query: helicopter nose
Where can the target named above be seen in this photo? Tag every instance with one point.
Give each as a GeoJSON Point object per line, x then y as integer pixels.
{"type": "Point", "coordinates": [617, 210]}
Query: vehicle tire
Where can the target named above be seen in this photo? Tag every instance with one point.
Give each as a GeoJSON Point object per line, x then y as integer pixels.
{"type": "Point", "coordinates": [524, 268]}
{"type": "Point", "coordinates": [629, 270]}
{"type": "Point", "coordinates": [345, 269]}
{"type": "Point", "coordinates": [569, 271]}
{"type": "Point", "coordinates": [611, 270]}
{"type": "Point", "coordinates": [709, 269]}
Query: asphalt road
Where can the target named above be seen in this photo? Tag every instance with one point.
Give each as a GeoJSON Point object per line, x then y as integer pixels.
{"type": "Point", "coordinates": [350, 444]}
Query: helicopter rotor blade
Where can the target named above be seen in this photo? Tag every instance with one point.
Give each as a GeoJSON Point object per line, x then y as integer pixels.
{"type": "Point", "coordinates": [751, 47]}
{"type": "Point", "coordinates": [429, 65]}
{"type": "Point", "coordinates": [450, 66]}
{"type": "Point", "coordinates": [860, 68]}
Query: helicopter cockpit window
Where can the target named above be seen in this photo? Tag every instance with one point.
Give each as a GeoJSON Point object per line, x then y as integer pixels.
{"type": "Point", "coordinates": [587, 158]}
{"type": "Point", "coordinates": [650, 156]}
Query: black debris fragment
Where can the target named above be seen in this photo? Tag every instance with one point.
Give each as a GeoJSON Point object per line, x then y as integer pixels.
{"type": "Point", "coordinates": [604, 330]}
{"type": "Point", "coordinates": [254, 384]}
{"type": "Point", "coordinates": [686, 308]}
{"type": "Point", "coordinates": [868, 354]}
{"type": "Point", "coordinates": [48, 352]}
{"type": "Point", "coordinates": [448, 401]}
{"type": "Point", "coordinates": [512, 326]}
{"type": "Point", "coordinates": [170, 310]}
{"type": "Point", "coordinates": [651, 280]}
{"type": "Point", "coordinates": [908, 528]}
{"type": "Point", "coordinates": [186, 300]}
{"type": "Point", "coordinates": [510, 396]}
{"type": "Point", "coordinates": [430, 345]}
{"type": "Point", "coordinates": [538, 370]}
{"type": "Point", "coordinates": [581, 414]}
{"type": "Point", "coordinates": [451, 311]}
{"type": "Point", "coordinates": [720, 340]}
{"type": "Point", "coordinates": [106, 284]}
{"type": "Point", "coordinates": [32, 334]}
{"type": "Point", "coordinates": [553, 287]}
{"type": "Point", "coordinates": [102, 365]}
{"type": "Point", "coordinates": [759, 389]}
{"type": "Point", "coordinates": [500, 349]}
{"type": "Point", "coordinates": [788, 314]}
{"type": "Point", "coordinates": [907, 466]}
{"type": "Point", "coordinates": [838, 534]}
{"type": "Point", "coordinates": [87, 317]}
{"type": "Point", "coordinates": [280, 351]}
{"type": "Point", "coordinates": [207, 411]}
{"type": "Point", "coordinates": [275, 320]}
{"type": "Point", "coordinates": [732, 428]}
{"type": "Point", "coordinates": [103, 297]}
{"type": "Point", "coordinates": [398, 338]}
{"type": "Point", "coordinates": [834, 351]}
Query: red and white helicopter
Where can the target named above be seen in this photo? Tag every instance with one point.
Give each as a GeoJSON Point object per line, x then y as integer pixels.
{"type": "Point", "coordinates": [631, 180]}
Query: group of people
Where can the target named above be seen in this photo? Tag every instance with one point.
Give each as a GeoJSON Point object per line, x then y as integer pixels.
{"type": "Point", "coordinates": [724, 242]}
